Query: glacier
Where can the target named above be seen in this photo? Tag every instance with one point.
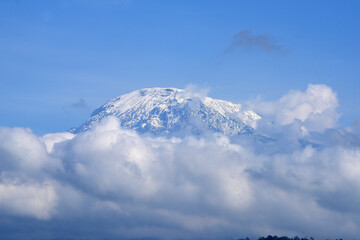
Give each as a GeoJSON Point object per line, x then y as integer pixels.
{"type": "Point", "coordinates": [174, 112]}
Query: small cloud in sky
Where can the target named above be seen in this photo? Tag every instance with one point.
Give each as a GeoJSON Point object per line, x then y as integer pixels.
{"type": "Point", "coordinates": [78, 105]}
{"type": "Point", "coordinates": [81, 104]}
{"type": "Point", "coordinates": [247, 39]}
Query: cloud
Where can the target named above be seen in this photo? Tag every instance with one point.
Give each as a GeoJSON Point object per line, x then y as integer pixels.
{"type": "Point", "coordinates": [314, 109]}
{"type": "Point", "coordinates": [247, 39]}
{"type": "Point", "coordinates": [31, 199]}
{"type": "Point", "coordinates": [51, 139]}
{"type": "Point", "coordinates": [21, 150]}
{"type": "Point", "coordinates": [193, 91]}
{"type": "Point", "coordinates": [124, 185]}
{"type": "Point", "coordinates": [79, 104]}
{"type": "Point", "coordinates": [25, 177]}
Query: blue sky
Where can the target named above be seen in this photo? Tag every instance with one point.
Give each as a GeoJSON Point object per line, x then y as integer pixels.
{"type": "Point", "coordinates": [61, 59]}
{"type": "Point", "coordinates": [296, 63]}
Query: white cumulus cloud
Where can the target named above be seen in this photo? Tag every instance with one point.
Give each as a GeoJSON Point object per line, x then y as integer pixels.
{"type": "Point", "coordinates": [315, 108]}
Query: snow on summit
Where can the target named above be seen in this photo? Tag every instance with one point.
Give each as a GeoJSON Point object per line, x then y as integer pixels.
{"type": "Point", "coordinates": [174, 111]}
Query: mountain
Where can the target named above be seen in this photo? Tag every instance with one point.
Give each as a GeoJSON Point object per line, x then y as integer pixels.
{"type": "Point", "coordinates": [175, 112]}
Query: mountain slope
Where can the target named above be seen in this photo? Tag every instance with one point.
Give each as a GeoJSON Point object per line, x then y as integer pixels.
{"type": "Point", "coordinates": [165, 111]}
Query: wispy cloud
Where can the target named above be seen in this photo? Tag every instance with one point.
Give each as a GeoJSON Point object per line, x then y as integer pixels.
{"type": "Point", "coordinates": [247, 39]}
{"type": "Point", "coordinates": [79, 104]}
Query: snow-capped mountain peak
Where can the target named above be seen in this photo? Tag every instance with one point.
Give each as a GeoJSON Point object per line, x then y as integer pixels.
{"type": "Point", "coordinates": [174, 111]}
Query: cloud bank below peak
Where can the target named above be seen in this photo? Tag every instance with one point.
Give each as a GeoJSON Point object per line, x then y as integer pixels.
{"type": "Point", "coordinates": [125, 185]}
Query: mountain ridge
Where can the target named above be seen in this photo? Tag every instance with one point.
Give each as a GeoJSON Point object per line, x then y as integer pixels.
{"type": "Point", "coordinates": [172, 111]}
